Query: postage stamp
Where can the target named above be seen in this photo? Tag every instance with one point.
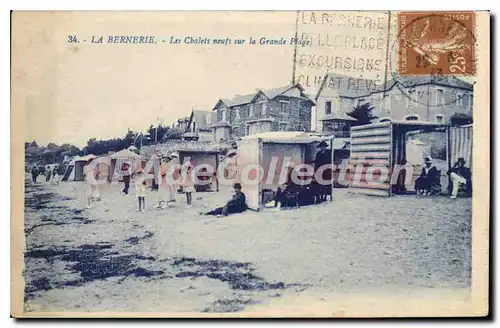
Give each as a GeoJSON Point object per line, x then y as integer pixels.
{"type": "Point", "coordinates": [436, 43]}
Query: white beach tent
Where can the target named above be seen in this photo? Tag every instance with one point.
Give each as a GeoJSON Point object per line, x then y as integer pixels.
{"type": "Point", "coordinates": [123, 156]}
{"type": "Point", "coordinates": [74, 171]}
{"type": "Point", "coordinates": [132, 148]}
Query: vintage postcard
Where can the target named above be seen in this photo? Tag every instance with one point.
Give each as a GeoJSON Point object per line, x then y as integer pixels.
{"type": "Point", "coordinates": [250, 164]}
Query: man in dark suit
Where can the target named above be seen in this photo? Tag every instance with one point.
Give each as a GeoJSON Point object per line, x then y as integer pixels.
{"type": "Point", "coordinates": [324, 157]}
{"type": "Point", "coordinates": [428, 183]}
{"type": "Point", "coordinates": [236, 204]}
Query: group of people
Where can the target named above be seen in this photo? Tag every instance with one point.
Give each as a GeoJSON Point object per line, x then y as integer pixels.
{"type": "Point", "coordinates": [429, 181]}
{"type": "Point", "coordinates": [289, 194]}
{"type": "Point", "coordinates": [50, 174]}
{"type": "Point", "coordinates": [170, 171]}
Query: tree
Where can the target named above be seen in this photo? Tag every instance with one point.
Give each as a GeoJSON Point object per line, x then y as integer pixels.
{"type": "Point", "coordinates": [363, 113]}
{"type": "Point", "coordinates": [52, 146]}
{"type": "Point", "coordinates": [129, 138]}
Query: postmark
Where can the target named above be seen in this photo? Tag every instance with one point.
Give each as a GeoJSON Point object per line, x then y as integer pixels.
{"type": "Point", "coordinates": [436, 43]}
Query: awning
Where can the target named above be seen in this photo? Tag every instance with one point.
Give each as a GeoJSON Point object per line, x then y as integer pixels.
{"type": "Point", "coordinates": [125, 154]}
{"type": "Point", "coordinates": [221, 124]}
{"type": "Point", "coordinates": [84, 158]}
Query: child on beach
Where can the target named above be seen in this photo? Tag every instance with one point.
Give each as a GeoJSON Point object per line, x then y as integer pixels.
{"type": "Point", "coordinates": [140, 190]}
{"type": "Point", "coordinates": [92, 192]}
{"type": "Point", "coordinates": [188, 183]}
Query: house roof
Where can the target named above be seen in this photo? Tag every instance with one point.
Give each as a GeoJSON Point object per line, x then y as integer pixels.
{"type": "Point", "coordinates": [450, 81]}
{"type": "Point", "coordinates": [297, 137]}
{"type": "Point", "coordinates": [185, 146]}
{"type": "Point", "coordinates": [202, 119]}
{"type": "Point", "coordinates": [240, 100]}
{"type": "Point", "coordinates": [220, 124]}
{"type": "Point", "coordinates": [351, 87]}
{"type": "Point", "coordinates": [125, 154]}
{"type": "Point", "coordinates": [344, 117]}
{"type": "Point", "coordinates": [270, 93]}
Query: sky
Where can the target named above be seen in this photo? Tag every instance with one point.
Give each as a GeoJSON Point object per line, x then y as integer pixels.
{"type": "Point", "coordinates": [72, 92]}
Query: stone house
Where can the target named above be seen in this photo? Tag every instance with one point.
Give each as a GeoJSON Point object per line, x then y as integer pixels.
{"type": "Point", "coordinates": [438, 99]}
{"type": "Point", "coordinates": [198, 126]}
{"type": "Point", "coordinates": [283, 109]}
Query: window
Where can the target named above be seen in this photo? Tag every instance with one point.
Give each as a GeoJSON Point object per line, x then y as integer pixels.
{"type": "Point", "coordinates": [194, 126]}
{"type": "Point", "coordinates": [250, 110]}
{"type": "Point", "coordinates": [235, 131]}
{"type": "Point", "coordinates": [439, 97]}
{"type": "Point", "coordinates": [411, 100]}
{"type": "Point", "coordinates": [264, 108]}
{"type": "Point", "coordinates": [223, 115]}
{"type": "Point", "coordinates": [420, 96]}
{"type": "Point", "coordinates": [283, 126]}
{"type": "Point", "coordinates": [265, 126]}
{"type": "Point", "coordinates": [236, 114]}
{"type": "Point", "coordinates": [247, 132]}
{"type": "Point", "coordinates": [396, 97]}
{"type": "Point", "coordinates": [471, 101]}
{"type": "Point", "coordinates": [460, 99]}
{"type": "Point", "coordinates": [283, 107]}
{"type": "Point", "coordinates": [328, 107]}
{"type": "Point", "coordinates": [439, 118]}
{"type": "Point", "coordinates": [411, 117]}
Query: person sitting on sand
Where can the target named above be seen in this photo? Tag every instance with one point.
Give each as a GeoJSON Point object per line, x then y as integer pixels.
{"type": "Point", "coordinates": [140, 190]}
{"type": "Point", "coordinates": [428, 182]}
{"type": "Point", "coordinates": [460, 175]}
{"type": "Point", "coordinates": [237, 204]}
{"type": "Point", "coordinates": [286, 196]}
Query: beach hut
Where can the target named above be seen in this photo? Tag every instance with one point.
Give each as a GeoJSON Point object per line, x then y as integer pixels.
{"type": "Point", "coordinates": [273, 152]}
{"type": "Point", "coordinates": [117, 161]}
{"type": "Point", "coordinates": [199, 153]}
{"type": "Point", "coordinates": [379, 150]}
{"type": "Point", "coordinates": [74, 170]}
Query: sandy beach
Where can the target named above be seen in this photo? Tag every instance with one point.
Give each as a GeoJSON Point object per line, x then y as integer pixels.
{"type": "Point", "coordinates": [112, 258]}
